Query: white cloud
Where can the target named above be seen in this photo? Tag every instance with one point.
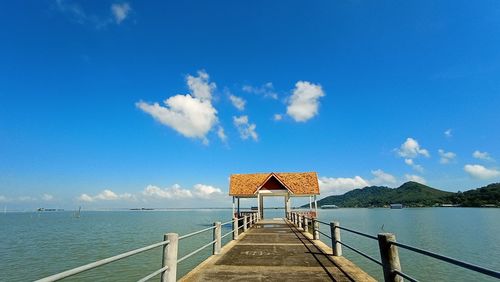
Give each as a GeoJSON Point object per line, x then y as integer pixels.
{"type": "Point", "coordinates": [120, 11]}
{"type": "Point", "coordinates": [106, 195]}
{"type": "Point", "coordinates": [26, 199]}
{"type": "Point", "coordinates": [382, 178]}
{"type": "Point", "coordinates": [200, 86]}
{"type": "Point", "coordinates": [3, 199]}
{"type": "Point", "coordinates": [47, 197]}
{"type": "Point", "coordinates": [245, 128]}
{"type": "Point", "coordinates": [481, 172]}
{"type": "Point", "coordinates": [176, 192]}
{"type": "Point", "coordinates": [304, 102]}
{"type": "Point", "coordinates": [413, 165]}
{"type": "Point", "coordinates": [411, 149]}
{"type": "Point", "coordinates": [76, 13]}
{"type": "Point", "coordinates": [221, 134]}
{"type": "Point", "coordinates": [446, 157]}
{"type": "Point", "coordinates": [266, 90]}
{"type": "Point", "coordinates": [238, 102]}
{"type": "Point", "coordinates": [448, 133]}
{"type": "Point", "coordinates": [206, 191]}
{"type": "Point", "coordinates": [192, 115]}
{"type": "Point", "coordinates": [482, 156]}
{"type": "Point", "coordinates": [85, 198]}
{"type": "Point", "coordinates": [415, 178]}
{"type": "Point", "coordinates": [277, 117]}
{"type": "Point", "coordinates": [341, 185]}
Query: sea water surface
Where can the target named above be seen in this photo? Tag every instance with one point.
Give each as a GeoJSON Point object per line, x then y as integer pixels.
{"type": "Point", "coordinates": [37, 244]}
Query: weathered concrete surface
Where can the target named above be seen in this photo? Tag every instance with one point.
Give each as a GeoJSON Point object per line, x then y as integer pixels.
{"type": "Point", "coordinates": [276, 251]}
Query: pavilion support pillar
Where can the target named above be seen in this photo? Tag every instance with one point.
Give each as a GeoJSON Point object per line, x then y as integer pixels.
{"type": "Point", "coordinates": [238, 209]}
{"type": "Point", "coordinates": [233, 206]}
{"type": "Point", "coordinates": [287, 205]}
{"type": "Point", "coordinates": [261, 206]}
{"type": "Point", "coordinates": [315, 206]}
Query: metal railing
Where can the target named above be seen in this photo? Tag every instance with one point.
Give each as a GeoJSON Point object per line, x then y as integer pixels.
{"type": "Point", "coordinates": [170, 243]}
{"type": "Point", "coordinates": [387, 247]}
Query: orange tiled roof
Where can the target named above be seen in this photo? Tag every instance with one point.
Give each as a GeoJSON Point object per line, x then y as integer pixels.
{"type": "Point", "coordinates": [300, 183]}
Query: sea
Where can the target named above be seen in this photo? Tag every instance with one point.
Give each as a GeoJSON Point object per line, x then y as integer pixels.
{"type": "Point", "coordinates": [38, 244]}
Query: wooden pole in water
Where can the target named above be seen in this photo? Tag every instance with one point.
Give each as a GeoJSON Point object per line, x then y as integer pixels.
{"type": "Point", "coordinates": [390, 257]}
{"type": "Point", "coordinates": [217, 238]}
{"type": "Point", "coordinates": [335, 234]}
{"type": "Point", "coordinates": [170, 257]}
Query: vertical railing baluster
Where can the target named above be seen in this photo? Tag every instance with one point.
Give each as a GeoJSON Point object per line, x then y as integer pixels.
{"type": "Point", "coordinates": [217, 238]}
{"type": "Point", "coordinates": [389, 256]}
{"type": "Point", "coordinates": [315, 225]}
{"type": "Point", "coordinates": [335, 234]}
{"type": "Point", "coordinates": [235, 228]}
{"type": "Point", "coordinates": [170, 257]}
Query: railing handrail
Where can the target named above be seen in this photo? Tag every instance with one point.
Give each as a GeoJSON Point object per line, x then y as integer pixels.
{"type": "Point", "coordinates": [101, 262]}
{"type": "Point", "coordinates": [464, 264]}
{"type": "Point", "coordinates": [196, 232]}
{"type": "Point", "coordinates": [460, 263]}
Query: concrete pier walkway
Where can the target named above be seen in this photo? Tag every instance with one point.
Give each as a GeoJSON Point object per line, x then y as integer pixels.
{"type": "Point", "coordinates": [274, 250]}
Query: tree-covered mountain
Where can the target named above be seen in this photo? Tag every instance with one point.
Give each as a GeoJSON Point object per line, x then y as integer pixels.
{"type": "Point", "coordinates": [413, 194]}
{"type": "Point", "coordinates": [488, 195]}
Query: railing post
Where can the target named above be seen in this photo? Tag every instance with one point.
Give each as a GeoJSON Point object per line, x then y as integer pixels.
{"type": "Point", "coordinates": [170, 257]}
{"type": "Point", "coordinates": [235, 228]}
{"type": "Point", "coordinates": [315, 225]}
{"type": "Point", "coordinates": [217, 238]}
{"type": "Point", "coordinates": [390, 257]}
{"type": "Point", "coordinates": [335, 234]}
{"type": "Point", "coordinates": [306, 224]}
{"type": "Point", "coordinates": [244, 223]}
{"type": "Point", "coordinates": [300, 221]}
{"type": "Point", "coordinates": [293, 217]}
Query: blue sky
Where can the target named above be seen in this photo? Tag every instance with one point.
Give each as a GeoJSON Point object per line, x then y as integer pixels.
{"type": "Point", "coordinates": [133, 103]}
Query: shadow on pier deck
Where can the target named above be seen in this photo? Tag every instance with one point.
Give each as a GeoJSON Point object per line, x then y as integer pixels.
{"type": "Point", "coordinates": [275, 250]}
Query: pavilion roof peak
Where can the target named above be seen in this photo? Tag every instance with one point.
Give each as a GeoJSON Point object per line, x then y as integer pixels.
{"type": "Point", "coordinates": [297, 183]}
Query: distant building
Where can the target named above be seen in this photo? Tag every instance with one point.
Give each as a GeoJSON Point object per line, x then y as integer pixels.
{"type": "Point", "coordinates": [329, 207]}
{"type": "Point", "coordinates": [396, 206]}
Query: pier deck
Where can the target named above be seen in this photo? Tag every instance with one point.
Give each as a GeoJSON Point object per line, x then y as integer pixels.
{"type": "Point", "coordinates": [275, 250]}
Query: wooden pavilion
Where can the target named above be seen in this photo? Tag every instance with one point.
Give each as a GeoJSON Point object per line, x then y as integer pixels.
{"type": "Point", "coordinates": [287, 185]}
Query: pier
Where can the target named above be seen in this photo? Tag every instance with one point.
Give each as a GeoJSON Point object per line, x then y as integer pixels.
{"type": "Point", "coordinates": [276, 250]}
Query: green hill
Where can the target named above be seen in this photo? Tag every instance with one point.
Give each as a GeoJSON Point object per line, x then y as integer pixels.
{"type": "Point", "coordinates": [410, 194]}
{"type": "Point", "coordinates": [484, 196]}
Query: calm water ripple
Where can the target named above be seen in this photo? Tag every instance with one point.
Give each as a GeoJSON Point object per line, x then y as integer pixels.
{"type": "Point", "coordinates": [35, 245]}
